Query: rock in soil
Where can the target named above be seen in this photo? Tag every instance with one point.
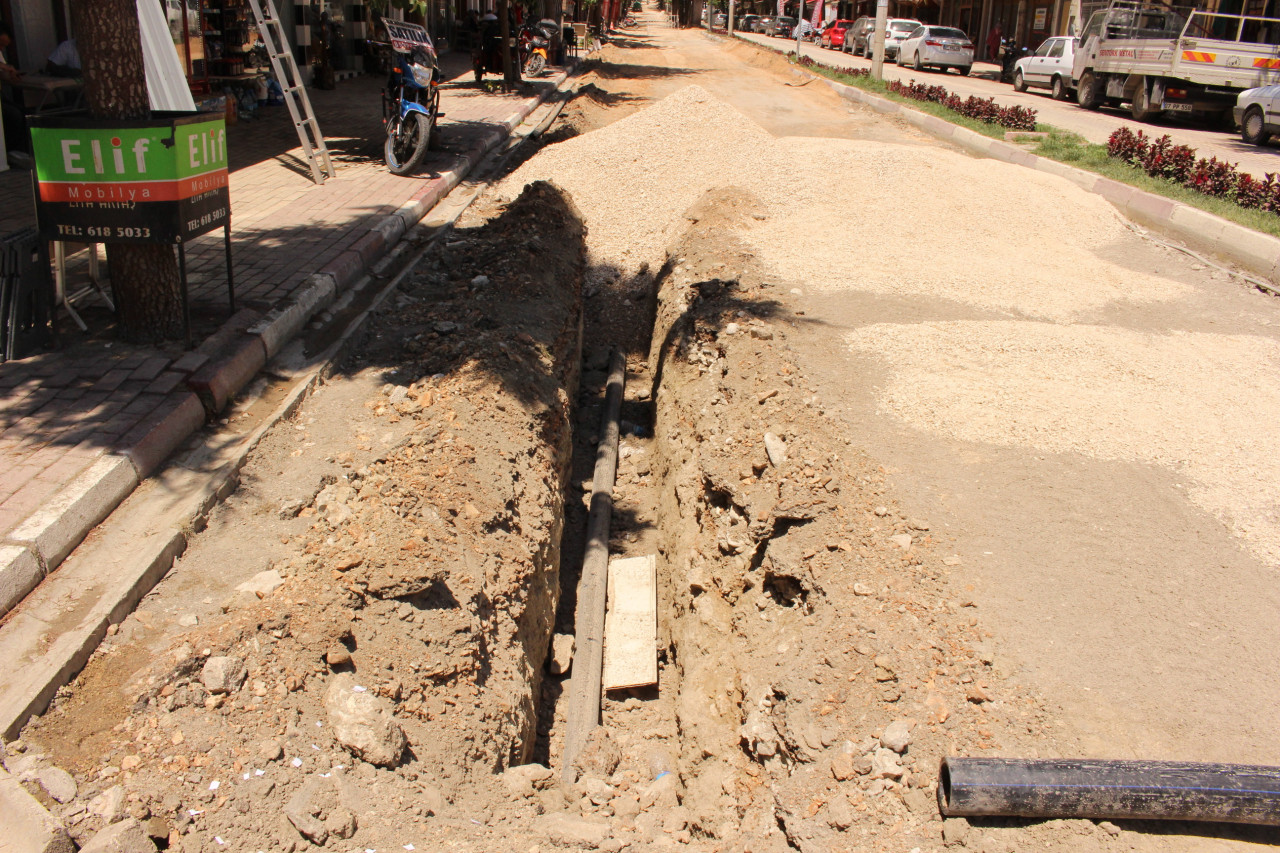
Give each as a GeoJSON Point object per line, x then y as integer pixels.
{"type": "Point", "coordinates": [561, 653]}
{"type": "Point", "coordinates": [363, 723]}
{"type": "Point", "coordinates": [126, 836]}
{"type": "Point", "coordinates": [223, 674]}
{"type": "Point", "coordinates": [897, 735]}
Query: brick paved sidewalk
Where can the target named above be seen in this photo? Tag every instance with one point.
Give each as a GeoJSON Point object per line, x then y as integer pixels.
{"type": "Point", "coordinates": [71, 419]}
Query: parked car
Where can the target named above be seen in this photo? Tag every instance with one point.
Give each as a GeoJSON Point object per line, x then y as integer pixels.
{"type": "Point", "coordinates": [939, 47]}
{"type": "Point", "coordinates": [1257, 112]}
{"type": "Point", "coordinates": [833, 36]}
{"type": "Point", "coordinates": [746, 23]}
{"type": "Point", "coordinates": [761, 23]}
{"type": "Point", "coordinates": [857, 39]}
{"type": "Point", "coordinates": [1048, 67]}
{"type": "Point", "coordinates": [720, 20]}
{"type": "Point", "coordinates": [780, 27]}
{"type": "Point", "coordinates": [896, 31]}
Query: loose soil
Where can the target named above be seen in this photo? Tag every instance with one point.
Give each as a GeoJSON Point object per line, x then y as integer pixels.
{"type": "Point", "coordinates": [822, 642]}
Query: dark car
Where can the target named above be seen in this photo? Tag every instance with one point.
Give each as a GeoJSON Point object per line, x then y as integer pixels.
{"type": "Point", "coordinates": [857, 39]}
{"type": "Point", "coordinates": [780, 27]}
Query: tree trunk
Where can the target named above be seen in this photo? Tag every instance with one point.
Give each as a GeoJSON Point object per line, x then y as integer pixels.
{"type": "Point", "coordinates": [510, 73]}
{"type": "Point", "coordinates": [144, 278]}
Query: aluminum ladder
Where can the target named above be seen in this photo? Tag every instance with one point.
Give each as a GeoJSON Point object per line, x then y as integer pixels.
{"type": "Point", "coordinates": [304, 119]}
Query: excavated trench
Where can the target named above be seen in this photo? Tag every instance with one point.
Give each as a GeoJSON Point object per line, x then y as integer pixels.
{"type": "Point", "coordinates": [773, 597]}
{"type": "Point", "coordinates": [815, 659]}
{"type": "Point", "coordinates": [435, 573]}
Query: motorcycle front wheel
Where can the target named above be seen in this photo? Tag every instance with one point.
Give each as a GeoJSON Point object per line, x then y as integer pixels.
{"type": "Point", "coordinates": [535, 65]}
{"type": "Point", "coordinates": [407, 142]}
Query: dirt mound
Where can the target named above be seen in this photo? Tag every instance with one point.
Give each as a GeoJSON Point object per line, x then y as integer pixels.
{"type": "Point", "coordinates": [824, 664]}
{"type": "Point", "coordinates": [633, 178]}
{"type": "Point", "coordinates": [392, 663]}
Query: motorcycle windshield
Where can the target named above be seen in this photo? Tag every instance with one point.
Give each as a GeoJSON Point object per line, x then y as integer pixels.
{"type": "Point", "coordinates": [411, 39]}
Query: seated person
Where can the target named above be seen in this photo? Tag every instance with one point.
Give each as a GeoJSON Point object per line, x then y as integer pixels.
{"type": "Point", "coordinates": [64, 61]}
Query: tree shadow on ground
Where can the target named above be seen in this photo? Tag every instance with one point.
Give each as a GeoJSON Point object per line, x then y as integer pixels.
{"type": "Point", "coordinates": [629, 71]}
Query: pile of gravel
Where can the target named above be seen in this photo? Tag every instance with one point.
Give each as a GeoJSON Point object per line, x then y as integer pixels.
{"type": "Point", "coordinates": [1107, 393]}
{"type": "Point", "coordinates": [632, 180]}
{"type": "Point", "coordinates": [937, 227]}
{"type": "Point", "coordinates": [924, 221]}
{"type": "Point", "coordinates": [866, 215]}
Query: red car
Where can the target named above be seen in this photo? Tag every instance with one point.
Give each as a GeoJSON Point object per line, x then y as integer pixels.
{"type": "Point", "coordinates": [833, 36]}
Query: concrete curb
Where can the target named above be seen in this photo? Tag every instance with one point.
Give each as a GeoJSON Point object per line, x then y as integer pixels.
{"type": "Point", "coordinates": [19, 573]}
{"type": "Point", "coordinates": [218, 370]}
{"type": "Point", "coordinates": [54, 529]}
{"type": "Point", "coordinates": [1254, 251]}
{"type": "Point", "coordinates": [41, 542]}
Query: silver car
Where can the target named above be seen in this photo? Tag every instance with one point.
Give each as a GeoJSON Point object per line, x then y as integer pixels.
{"type": "Point", "coordinates": [1258, 113]}
{"type": "Point", "coordinates": [937, 47]}
{"type": "Point", "coordinates": [895, 30]}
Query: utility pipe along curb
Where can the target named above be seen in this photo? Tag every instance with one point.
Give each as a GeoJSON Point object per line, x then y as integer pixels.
{"type": "Point", "coordinates": [1101, 789]}
{"type": "Point", "coordinates": [584, 687]}
{"type": "Point", "coordinates": [1254, 251]}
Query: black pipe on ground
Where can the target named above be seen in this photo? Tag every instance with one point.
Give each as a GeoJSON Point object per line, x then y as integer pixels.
{"type": "Point", "coordinates": [1099, 789]}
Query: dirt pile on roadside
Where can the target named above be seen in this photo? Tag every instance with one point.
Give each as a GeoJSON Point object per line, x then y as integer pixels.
{"type": "Point", "coordinates": [633, 178]}
{"type": "Point", "coordinates": [392, 664]}
{"type": "Point", "coordinates": [825, 660]}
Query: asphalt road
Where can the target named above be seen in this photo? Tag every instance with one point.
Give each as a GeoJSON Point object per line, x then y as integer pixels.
{"type": "Point", "coordinates": [984, 82]}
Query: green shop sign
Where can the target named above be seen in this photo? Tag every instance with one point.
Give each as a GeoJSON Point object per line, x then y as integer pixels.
{"type": "Point", "coordinates": [162, 180]}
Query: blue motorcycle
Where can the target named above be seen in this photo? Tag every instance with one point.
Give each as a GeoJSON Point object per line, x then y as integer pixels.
{"type": "Point", "coordinates": [411, 100]}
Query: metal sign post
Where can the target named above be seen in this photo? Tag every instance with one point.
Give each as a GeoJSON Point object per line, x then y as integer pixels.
{"type": "Point", "coordinates": [799, 18]}
{"type": "Point", "coordinates": [877, 54]}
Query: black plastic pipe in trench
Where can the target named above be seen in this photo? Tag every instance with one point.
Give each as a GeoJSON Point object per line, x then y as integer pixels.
{"type": "Point", "coordinates": [1100, 789]}
{"type": "Point", "coordinates": [583, 713]}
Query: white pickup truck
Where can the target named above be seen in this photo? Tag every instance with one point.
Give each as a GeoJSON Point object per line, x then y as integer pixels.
{"type": "Point", "coordinates": [1161, 58]}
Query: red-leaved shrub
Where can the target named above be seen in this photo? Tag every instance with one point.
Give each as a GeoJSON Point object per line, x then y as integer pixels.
{"type": "Point", "coordinates": [1178, 163]}
{"type": "Point", "coordinates": [983, 109]}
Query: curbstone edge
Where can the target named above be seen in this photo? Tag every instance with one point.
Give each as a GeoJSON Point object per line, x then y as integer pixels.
{"type": "Point", "coordinates": [64, 520]}
{"type": "Point", "coordinates": [218, 381]}
{"type": "Point", "coordinates": [20, 572]}
{"type": "Point", "coordinates": [149, 451]}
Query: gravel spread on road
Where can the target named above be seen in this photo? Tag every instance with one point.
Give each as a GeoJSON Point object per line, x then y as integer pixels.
{"type": "Point", "coordinates": [898, 220]}
{"type": "Point", "coordinates": [1201, 405]}
{"type": "Point", "coordinates": [868, 215]}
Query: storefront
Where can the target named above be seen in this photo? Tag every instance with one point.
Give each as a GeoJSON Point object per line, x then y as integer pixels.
{"type": "Point", "coordinates": [926, 11]}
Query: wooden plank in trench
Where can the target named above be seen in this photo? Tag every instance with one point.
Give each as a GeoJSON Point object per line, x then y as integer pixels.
{"type": "Point", "coordinates": [631, 624]}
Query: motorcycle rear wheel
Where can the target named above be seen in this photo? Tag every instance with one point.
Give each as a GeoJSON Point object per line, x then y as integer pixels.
{"type": "Point", "coordinates": [535, 65]}
{"type": "Point", "coordinates": [407, 143]}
